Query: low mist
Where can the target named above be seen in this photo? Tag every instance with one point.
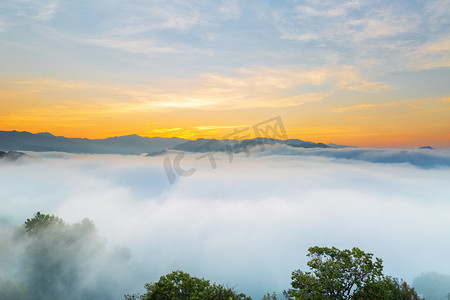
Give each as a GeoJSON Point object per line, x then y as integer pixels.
{"type": "Point", "coordinates": [247, 223]}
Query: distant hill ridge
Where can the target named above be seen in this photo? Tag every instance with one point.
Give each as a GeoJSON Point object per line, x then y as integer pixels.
{"type": "Point", "coordinates": [129, 144]}
{"type": "Point", "coordinates": [206, 145]}
{"type": "Point", "coordinates": [134, 144]}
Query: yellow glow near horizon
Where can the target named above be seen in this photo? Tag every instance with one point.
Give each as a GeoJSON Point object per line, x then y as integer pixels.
{"type": "Point", "coordinates": [92, 111]}
{"type": "Point", "coordinates": [210, 106]}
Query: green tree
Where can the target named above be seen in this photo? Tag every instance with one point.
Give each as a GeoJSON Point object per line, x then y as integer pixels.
{"type": "Point", "coordinates": [68, 261]}
{"type": "Point", "coordinates": [335, 273]}
{"type": "Point", "coordinates": [41, 221]}
{"type": "Point", "coordinates": [344, 275]}
{"type": "Point", "coordinates": [387, 288]}
{"type": "Point", "coordinates": [54, 254]}
{"type": "Point", "coordinates": [180, 285]}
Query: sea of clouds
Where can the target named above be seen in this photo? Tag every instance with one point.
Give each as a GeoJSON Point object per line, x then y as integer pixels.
{"type": "Point", "coordinates": [247, 223]}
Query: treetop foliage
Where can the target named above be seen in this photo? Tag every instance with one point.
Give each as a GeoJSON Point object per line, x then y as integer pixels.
{"type": "Point", "coordinates": [180, 285]}
{"type": "Point", "coordinates": [345, 275]}
{"type": "Point", "coordinates": [41, 221]}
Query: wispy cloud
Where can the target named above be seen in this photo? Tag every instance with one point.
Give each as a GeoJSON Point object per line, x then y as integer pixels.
{"type": "Point", "coordinates": [357, 20]}
{"type": "Point", "coordinates": [18, 12]}
{"type": "Point", "coordinates": [246, 88]}
{"type": "Point", "coordinates": [3, 25]}
{"type": "Point", "coordinates": [230, 9]}
{"type": "Point", "coordinates": [435, 54]}
{"type": "Point", "coordinates": [327, 8]}
{"type": "Point", "coordinates": [438, 12]}
{"type": "Point", "coordinates": [46, 11]}
{"type": "Point", "coordinates": [133, 46]}
{"type": "Point", "coordinates": [445, 99]}
{"type": "Point", "coordinates": [153, 16]}
{"type": "Point", "coordinates": [414, 104]}
{"type": "Point", "coordinates": [359, 107]}
{"type": "Point", "coordinates": [340, 77]}
{"type": "Point", "coordinates": [390, 33]}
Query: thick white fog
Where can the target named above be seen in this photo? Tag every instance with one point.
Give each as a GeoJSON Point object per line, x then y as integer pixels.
{"type": "Point", "coordinates": [247, 224]}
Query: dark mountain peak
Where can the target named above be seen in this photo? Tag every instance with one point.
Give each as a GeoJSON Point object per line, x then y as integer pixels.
{"type": "Point", "coordinates": [157, 153]}
{"type": "Point", "coordinates": [45, 134]}
{"type": "Point", "coordinates": [294, 141]}
{"type": "Point", "coordinates": [265, 140]}
{"type": "Point", "coordinates": [426, 147]}
{"type": "Point", "coordinates": [205, 140]}
{"type": "Point", "coordinates": [206, 145]}
{"type": "Point", "coordinates": [132, 136]}
{"type": "Point", "coordinates": [336, 146]}
{"type": "Point", "coordinates": [11, 155]}
{"type": "Point", "coordinates": [201, 145]}
{"type": "Point", "coordinates": [125, 137]}
{"type": "Point", "coordinates": [15, 132]}
{"type": "Point", "coordinates": [304, 144]}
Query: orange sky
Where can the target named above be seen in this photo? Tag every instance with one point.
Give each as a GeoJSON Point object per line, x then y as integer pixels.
{"type": "Point", "coordinates": [76, 109]}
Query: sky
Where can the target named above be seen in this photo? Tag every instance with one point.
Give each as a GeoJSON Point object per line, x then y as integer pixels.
{"type": "Point", "coordinates": [249, 232]}
{"type": "Point", "coordinates": [364, 73]}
